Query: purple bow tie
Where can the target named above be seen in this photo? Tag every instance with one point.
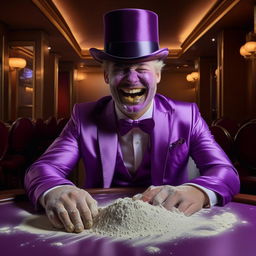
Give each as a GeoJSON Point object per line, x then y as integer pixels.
{"type": "Point", "coordinates": [145, 125]}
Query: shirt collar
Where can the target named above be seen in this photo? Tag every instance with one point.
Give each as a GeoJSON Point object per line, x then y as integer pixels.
{"type": "Point", "coordinates": [147, 114]}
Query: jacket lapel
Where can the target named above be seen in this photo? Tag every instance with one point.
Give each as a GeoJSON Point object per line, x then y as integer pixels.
{"type": "Point", "coordinates": [107, 138]}
{"type": "Point", "coordinates": [160, 140]}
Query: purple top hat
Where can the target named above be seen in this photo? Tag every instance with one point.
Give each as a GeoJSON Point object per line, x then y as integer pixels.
{"type": "Point", "coordinates": [131, 35]}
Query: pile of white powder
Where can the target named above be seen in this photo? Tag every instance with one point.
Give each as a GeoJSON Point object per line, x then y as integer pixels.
{"type": "Point", "coordinates": [127, 218]}
{"type": "Point", "coordinates": [135, 220]}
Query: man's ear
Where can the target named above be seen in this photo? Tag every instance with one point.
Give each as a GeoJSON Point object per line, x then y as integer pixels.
{"type": "Point", "coordinates": [158, 77]}
{"type": "Point", "coordinates": [106, 77]}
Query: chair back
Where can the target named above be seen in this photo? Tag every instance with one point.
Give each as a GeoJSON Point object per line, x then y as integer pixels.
{"type": "Point", "coordinates": [224, 139]}
{"type": "Point", "coordinates": [51, 125]}
{"type": "Point", "coordinates": [230, 125]}
{"type": "Point", "coordinates": [245, 145]}
{"type": "Point", "coordinates": [40, 130]}
{"type": "Point", "coordinates": [61, 124]}
{"type": "Point", "coordinates": [3, 139]}
{"type": "Point", "coordinates": [21, 135]}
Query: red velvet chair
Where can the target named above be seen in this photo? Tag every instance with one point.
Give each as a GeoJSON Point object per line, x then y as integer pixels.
{"type": "Point", "coordinates": [18, 155]}
{"type": "Point", "coordinates": [245, 145]}
{"type": "Point", "coordinates": [245, 149]}
{"type": "Point", "coordinates": [40, 138]}
{"type": "Point", "coordinates": [51, 128]}
{"type": "Point", "coordinates": [61, 124]}
{"type": "Point", "coordinates": [3, 149]}
{"type": "Point", "coordinates": [3, 139]}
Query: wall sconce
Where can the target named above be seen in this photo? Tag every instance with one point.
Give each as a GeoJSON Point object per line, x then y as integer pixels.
{"type": "Point", "coordinates": [17, 63]}
{"type": "Point", "coordinates": [79, 76]}
{"type": "Point", "coordinates": [192, 77]}
{"type": "Point", "coordinates": [28, 89]}
{"type": "Point", "coordinates": [248, 50]}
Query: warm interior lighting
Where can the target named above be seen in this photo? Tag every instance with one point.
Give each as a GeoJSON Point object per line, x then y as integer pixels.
{"type": "Point", "coordinates": [216, 72]}
{"type": "Point", "coordinates": [248, 50]}
{"type": "Point", "coordinates": [17, 63]}
{"type": "Point", "coordinates": [192, 77]}
{"type": "Point", "coordinates": [79, 76]}
{"type": "Point", "coordinates": [189, 78]}
{"type": "Point", "coordinates": [28, 89]}
{"type": "Point", "coordinates": [250, 47]}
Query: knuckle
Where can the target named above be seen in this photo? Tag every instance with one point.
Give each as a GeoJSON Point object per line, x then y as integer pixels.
{"type": "Point", "coordinates": [74, 194]}
{"type": "Point", "coordinates": [63, 213]}
{"type": "Point", "coordinates": [63, 197]}
{"type": "Point", "coordinates": [73, 213]}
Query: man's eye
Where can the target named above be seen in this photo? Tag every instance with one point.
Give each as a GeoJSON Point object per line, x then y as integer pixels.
{"type": "Point", "coordinates": [142, 70]}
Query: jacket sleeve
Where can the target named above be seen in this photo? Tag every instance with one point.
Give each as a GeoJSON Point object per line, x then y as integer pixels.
{"type": "Point", "coordinates": [54, 166]}
{"type": "Point", "coordinates": [217, 172]}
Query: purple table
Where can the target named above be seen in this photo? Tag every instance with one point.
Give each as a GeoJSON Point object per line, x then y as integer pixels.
{"type": "Point", "coordinates": [237, 242]}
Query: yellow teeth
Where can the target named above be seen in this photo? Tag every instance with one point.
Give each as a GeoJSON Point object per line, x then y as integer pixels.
{"type": "Point", "coordinates": [130, 99]}
{"type": "Point", "coordinates": [132, 91]}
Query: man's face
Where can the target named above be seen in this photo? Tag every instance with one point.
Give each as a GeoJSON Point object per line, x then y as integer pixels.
{"type": "Point", "coordinates": [133, 86]}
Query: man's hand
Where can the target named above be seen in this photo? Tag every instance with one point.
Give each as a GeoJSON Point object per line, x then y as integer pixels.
{"type": "Point", "coordinates": [188, 199]}
{"type": "Point", "coordinates": [70, 207]}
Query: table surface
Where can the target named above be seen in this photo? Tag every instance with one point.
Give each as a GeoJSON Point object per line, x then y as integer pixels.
{"type": "Point", "coordinates": [239, 241]}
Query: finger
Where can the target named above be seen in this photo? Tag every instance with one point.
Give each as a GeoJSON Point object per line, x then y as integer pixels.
{"type": "Point", "coordinates": [85, 214]}
{"type": "Point", "coordinates": [74, 215]}
{"type": "Point", "coordinates": [75, 218]}
{"type": "Point", "coordinates": [149, 194]}
{"type": "Point", "coordinates": [93, 205]}
{"type": "Point", "coordinates": [192, 209]}
{"type": "Point", "coordinates": [163, 194]}
{"type": "Point", "coordinates": [65, 219]}
{"type": "Point", "coordinates": [171, 201]}
{"type": "Point", "coordinates": [184, 205]}
{"type": "Point", "coordinates": [53, 218]}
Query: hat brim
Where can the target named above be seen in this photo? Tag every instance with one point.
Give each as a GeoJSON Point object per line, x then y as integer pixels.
{"type": "Point", "coordinates": [101, 56]}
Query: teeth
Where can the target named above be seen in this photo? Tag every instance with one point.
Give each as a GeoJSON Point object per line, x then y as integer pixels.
{"type": "Point", "coordinates": [132, 91]}
{"type": "Point", "coordinates": [132, 100]}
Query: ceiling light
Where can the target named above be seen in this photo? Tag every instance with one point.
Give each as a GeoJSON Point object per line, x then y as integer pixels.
{"type": "Point", "coordinates": [213, 39]}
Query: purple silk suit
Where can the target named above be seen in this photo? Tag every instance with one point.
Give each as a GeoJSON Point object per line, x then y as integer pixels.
{"type": "Point", "coordinates": [91, 133]}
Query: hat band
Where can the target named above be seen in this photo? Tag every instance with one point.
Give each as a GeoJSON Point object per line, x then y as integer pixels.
{"type": "Point", "coordinates": [131, 49]}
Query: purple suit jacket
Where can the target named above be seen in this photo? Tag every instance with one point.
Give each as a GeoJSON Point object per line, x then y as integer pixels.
{"type": "Point", "coordinates": [91, 133]}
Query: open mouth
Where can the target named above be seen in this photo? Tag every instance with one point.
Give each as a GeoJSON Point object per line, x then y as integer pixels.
{"type": "Point", "coordinates": [132, 95]}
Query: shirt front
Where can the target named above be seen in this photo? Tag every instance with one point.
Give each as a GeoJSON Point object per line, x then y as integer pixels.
{"type": "Point", "coordinates": [134, 143]}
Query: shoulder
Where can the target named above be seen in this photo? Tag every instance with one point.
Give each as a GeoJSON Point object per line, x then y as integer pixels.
{"type": "Point", "coordinates": [89, 107]}
{"type": "Point", "coordinates": [168, 104]}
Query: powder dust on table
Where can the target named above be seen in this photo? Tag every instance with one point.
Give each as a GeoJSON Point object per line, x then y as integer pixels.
{"type": "Point", "coordinates": [135, 221]}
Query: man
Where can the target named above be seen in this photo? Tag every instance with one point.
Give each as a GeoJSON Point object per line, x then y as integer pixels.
{"type": "Point", "coordinates": [134, 138]}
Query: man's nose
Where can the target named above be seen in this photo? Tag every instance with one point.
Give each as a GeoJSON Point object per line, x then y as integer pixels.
{"type": "Point", "coordinates": [131, 76]}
